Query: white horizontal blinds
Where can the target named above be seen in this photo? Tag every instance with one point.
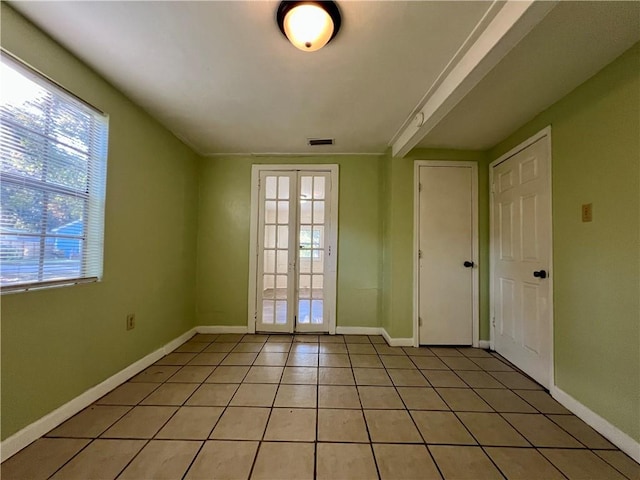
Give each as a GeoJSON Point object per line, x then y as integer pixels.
{"type": "Point", "coordinates": [53, 151]}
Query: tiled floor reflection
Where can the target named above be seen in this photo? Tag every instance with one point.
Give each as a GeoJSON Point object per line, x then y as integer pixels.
{"type": "Point", "coordinates": [332, 407]}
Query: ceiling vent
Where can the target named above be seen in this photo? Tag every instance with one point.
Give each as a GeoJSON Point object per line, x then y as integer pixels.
{"type": "Point", "coordinates": [313, 142]}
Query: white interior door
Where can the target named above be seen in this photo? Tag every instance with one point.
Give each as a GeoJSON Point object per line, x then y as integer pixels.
{"type": "Point", "coordinates": [446, 226]}
{"type": "Point", "coordinates": [521, 256]}
{"type": "Point", "coordinates": [295, 284]}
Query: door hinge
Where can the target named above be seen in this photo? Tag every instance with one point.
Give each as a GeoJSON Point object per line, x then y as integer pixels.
{"type": "Point", "coordinates": [493, 188]}
{"type": "Point", "coordinates": [419, 321]}
{"type": "Point", "coordinates": [329, 250]}
{"type": "Point", "coordinates": [493, 321]}
{"type": "Point", "coordinates": [419, 253]}
{"type": "Point", "coordinates": [419, 187]}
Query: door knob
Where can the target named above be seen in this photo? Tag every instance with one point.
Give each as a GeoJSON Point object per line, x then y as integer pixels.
{"type": "Point", "coordinates": [540, 274]}
{"type": "Point", "coordinates": [469, 264]}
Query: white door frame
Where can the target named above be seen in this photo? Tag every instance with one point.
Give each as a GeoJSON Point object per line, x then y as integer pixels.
{"type": "Point", "coordinates": [332, 239]}
{"type": "Point", "coordinates": [545, 132]}
{"type": "Point", "coordinates": [474, 243]}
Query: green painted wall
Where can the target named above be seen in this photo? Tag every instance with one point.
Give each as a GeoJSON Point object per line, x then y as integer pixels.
{"type": "Point", "coordinates": [596, 159]}
{"type": "Point", "coordinates": [223, 238]}
{"type": "Point", "coordinates": [57, 343]}
{"type": "Point", "coordinates": [397, 310]}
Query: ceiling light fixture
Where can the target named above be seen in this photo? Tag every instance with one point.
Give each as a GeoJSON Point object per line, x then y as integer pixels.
{"type": "Point", "coordinates": [309, 25]}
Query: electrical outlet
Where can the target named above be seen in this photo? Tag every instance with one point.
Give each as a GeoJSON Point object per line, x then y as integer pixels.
{"type": "Point", "coordinates": [131, 321]}
{"type": "Point", "coordinates": [587, 212]}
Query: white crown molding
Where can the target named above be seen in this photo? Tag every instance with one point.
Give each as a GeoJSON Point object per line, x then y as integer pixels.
{"type": "Point", "coordinates": [294, 154]}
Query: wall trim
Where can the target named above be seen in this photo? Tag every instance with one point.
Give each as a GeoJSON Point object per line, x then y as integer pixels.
{"type": "Point", "coordinates": [398, 342]}
{"type": "Point", "coordinates": [359, 331]}
{"type": "Point", "coordinates": [484, 344]}
{"type": "Point", "coordinates": [393, 342]}
{"type": "Point", "coordinates": [40, 427]}
{"type": "Point", "coordinates": [612, 433]}
{"type": "Point", "coordinates": [221, 329]}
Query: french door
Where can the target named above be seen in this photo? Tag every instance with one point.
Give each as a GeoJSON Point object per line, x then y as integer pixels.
{"type": "Point", "coordinates": [295, 250]}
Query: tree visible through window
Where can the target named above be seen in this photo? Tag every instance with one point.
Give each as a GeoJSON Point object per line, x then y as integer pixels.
{"type": "Point", "coordinates": [52, 179]}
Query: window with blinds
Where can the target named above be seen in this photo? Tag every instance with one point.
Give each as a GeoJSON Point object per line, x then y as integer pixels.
{"type": "Point", "coordinates": [53, 158]}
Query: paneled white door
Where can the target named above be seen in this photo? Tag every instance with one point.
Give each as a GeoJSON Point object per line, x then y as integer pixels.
{"type": "Point", "coordinates": [295, 279]}
{"type": "Point", "coordinates": [447, 264]}
{"type": "Point", "coordinates": [521, 255]}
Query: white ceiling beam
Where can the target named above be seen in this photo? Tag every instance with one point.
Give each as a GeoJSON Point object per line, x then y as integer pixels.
{"type": "Point", "coordinates": [510, 25]}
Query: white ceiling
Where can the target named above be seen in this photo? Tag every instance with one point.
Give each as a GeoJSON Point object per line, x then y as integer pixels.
{"type": "Point", "coordinates": [221, 76]}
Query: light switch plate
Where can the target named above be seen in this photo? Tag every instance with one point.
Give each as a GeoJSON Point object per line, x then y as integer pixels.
{"type": "Point", "coordinates": [587, 212]}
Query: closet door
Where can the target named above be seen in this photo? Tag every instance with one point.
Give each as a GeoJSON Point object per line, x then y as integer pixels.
{"type": "Point", "coordinates": [446, 255]}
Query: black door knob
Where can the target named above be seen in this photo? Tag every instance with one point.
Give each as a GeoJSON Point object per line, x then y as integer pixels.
{"type": "Point", "coordinates": [540, 274]}
{"type": "Point", "coordinates": [468, 264]}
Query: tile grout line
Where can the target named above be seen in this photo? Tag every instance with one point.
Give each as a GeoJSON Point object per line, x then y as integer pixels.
{"type": "Point", "coordinates": [317, 439]}
{"type": "Point", "coordinates": [72, 457]}
{"type": "Point", "coordinates": [611, 465]}
{"type": "Point", "coordinates": [99, 437]}
{"type": "Point", "coordinates": [224, 408]}
{"type": "Point", "coordinates": [455, 413]}
{"type": "Point", "coordinates": [364, 417]}
{"type": "Point", "coordinates": [203, 442]}
{"type": "Point", "coordinates": [266, 425]}
{"type": "Point", "coordinates": [193, 460]}
{"type": "Point", "coordinates": [479, 444]}
{"type": "Point", "coordinates": [426, 445]}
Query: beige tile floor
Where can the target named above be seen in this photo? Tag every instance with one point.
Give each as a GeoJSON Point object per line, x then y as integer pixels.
{"type": "Point", "coordinates": [326, 407]}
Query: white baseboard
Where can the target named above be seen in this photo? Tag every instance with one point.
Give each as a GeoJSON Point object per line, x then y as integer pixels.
{"type": "Point", "coordinates": [393, 342]}
{"type": "Point", "coordinates": [359, 331]}
{"type": "Point", "coordinates": [484, 344]}
{"type": "Point", "coordinates": [612, 433]}
{"type": "Point", "coordinates": [221, 329]}
{"type": "Point", "coordinates": [32, 432]}
{"type": "Point", "coordinates": [397, 342]}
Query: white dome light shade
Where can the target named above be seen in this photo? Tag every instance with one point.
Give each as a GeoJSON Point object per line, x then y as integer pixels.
{"type": "Point", "coordinates": [309, 27]}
